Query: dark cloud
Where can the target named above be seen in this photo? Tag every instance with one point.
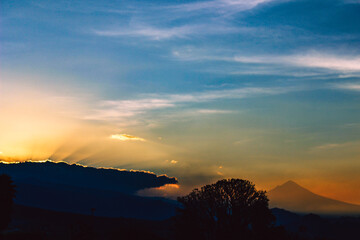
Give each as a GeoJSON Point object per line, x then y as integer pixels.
{"type": "Point", "coordinates": [87, 177]}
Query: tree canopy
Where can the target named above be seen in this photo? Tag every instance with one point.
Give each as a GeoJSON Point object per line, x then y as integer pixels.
{"type": "Point", "coordinates": [228, 209]}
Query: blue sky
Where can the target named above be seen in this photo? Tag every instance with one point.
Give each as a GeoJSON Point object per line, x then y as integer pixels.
{"type": "Point", "coordinates": [266, 89]}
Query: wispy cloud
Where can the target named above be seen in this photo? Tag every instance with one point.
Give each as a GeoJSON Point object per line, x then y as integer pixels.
{"type": "Point", "coordinates": [127, 108]}
{"type": "Point", "coordinates": [328, 146]}
{"type": "Point", "coordinates": [214, 111]}
{"type": "Point", "coordinates": [113, 110]}
{"type": "Point", "coordinates": [309, 59]}
{"type": "Point", "coordinates": [165, 33]}
{"type": "Point", "coordinates": [218, 6]}
{"type": "Point", "coordinates": [149, 32]}
{"type": "Point", "coordinates": [335, 146]}
{"type": "Point", "coordinates": [243, 141]}
{"type": "Point", "coordinates": [352, 125]}
{"type": "Point", "coordinates": [126, 137]}
{"type": "Point", "coordinates": [348, 86]}
{"type": "Point", "coordinates": [156, 22]}
{"type": "Point", "coordinates": [172, 161]}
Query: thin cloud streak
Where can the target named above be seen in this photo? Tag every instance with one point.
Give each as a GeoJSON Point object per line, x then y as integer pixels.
{"type": "Point", "coordinates": [113, 110]}
{"type": "Point", "coordinates": [348, 86]}
{"type": "Point", "coordinates": [328, 146]}
{"type": "Point", "coordinates": [149, 32]}
{"type": "Point", "coordinates": [126, 108]}
{"type": "Point", "coordinates": [166, 33]}
{"type": "Point", "coordinates": [126, 137]}
{"type": "Point", "coordinates": [219, 6]}
{"type": "Point", "coordinates": [213, 111]}
{"type": "Point", "coordinates": [338, 147]}
{"type": "Point", "coordinates": [157, 23]}
{"type": "Point", "coordinates": [310, 59]}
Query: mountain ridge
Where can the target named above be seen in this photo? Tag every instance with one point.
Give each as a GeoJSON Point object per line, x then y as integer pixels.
{"type": "Point", "coordinates": [295, 198]}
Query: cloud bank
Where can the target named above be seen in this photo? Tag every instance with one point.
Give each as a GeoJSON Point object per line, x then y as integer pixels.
{"type": "Point", "coordinates": [87, 177]}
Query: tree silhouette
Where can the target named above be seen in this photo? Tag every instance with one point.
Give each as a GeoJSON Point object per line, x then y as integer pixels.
{"type": "Point", "coordinates": [228, 209]}
{"type": "Point", "coordinates": [7, 193]}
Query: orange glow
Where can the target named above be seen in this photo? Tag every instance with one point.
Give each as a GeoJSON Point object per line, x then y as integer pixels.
{"type": "Point", "coordinates": [168, 190]}
{"type": "Point", "coordinates": [168, 186]}
{"type": "Point", "coordinates": [343, 191]}
{"type": "Point", "coordinates": [30, 129]}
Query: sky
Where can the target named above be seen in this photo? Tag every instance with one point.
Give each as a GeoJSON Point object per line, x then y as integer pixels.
{"type": "Point", "coordinates": [265, 90]}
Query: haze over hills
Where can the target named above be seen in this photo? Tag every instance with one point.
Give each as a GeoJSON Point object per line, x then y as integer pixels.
{"type": "Point", "coordinates": [293, 197]}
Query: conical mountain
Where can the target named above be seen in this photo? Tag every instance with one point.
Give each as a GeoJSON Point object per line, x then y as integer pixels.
{"type": "Point", "coordinates": [293, 197]}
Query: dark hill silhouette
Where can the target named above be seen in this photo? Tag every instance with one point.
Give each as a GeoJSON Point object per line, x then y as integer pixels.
{"type": "Point", "coordinates": [89, 177]}
{"type": "Point", "coordinates": [295, 198]}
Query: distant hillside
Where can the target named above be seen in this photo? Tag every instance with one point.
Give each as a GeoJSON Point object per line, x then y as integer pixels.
{"type": "Point", "coordinates": [89, 177]}
{"type": "Point", "coordinates": [292, 197]}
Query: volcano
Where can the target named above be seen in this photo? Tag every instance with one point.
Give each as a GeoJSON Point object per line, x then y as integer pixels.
{"type": "Point", "coordinates": [293, 197]}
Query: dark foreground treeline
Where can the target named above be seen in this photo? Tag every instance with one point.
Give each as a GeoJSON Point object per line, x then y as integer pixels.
{"type": "Point", "coordinates": [229, 209]}
{"type": "Point", "coordinates": [32, 223]}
